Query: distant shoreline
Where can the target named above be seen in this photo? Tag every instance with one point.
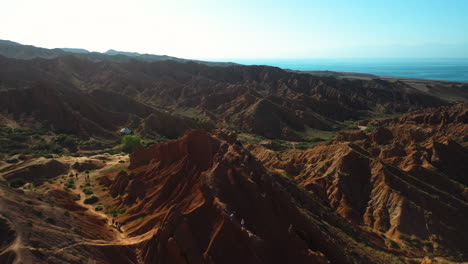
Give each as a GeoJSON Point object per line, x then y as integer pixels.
{"type": "Point", "coordinates": [437, 69]}
{"type": "Point", "coordinates": [367, 76]}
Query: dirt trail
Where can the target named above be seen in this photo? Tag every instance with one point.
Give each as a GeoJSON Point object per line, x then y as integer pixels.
{"type": "Point", "coordinates": [119, 238]}
{"type": "Point", "coordinates": [16, 248]}
{"type": "Point", "coordinates": [81, 181]}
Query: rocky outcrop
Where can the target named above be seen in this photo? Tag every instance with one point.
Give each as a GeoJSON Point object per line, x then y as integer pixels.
{"type": "Point", "coordinates": [256, 99]}
{"type": "Point", "coordinates": [188, 197]}
{"type": "Point", "coordinates": [405, 179]}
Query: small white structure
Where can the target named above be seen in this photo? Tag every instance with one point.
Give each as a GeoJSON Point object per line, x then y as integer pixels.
{"type": "Point", "coordinates": [125, 131]}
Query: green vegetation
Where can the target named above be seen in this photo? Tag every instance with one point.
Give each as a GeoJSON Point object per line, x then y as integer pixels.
{"type": "Point", "coordinates": [130, 143]}
{"type": "Point", "coordinates": [17, 182]}
{"type": "Point", "coordinates": [150, 142]}
{"type": "Point", "coordinates": [315, 135]}
{"type": "Point", "coordinates": [70, 184]}
{"type": "Point", "coordinates": [250, 138]}
{"type": "Point", "coordinates": [350, 125]}
{"type": "Point", "coordinates": [42, 142]}
{"type": "Point", "coordinates": [76, 197]}
{"type": "Point", "coordinates": [12, 160]}
{"type": "Point", "coordinates": [369, 129]}
{"type": "Point", "coordinates": [96, 144]}
{"type": "Point", "coordinates": [91, 200]}
{"type": "Point", "coordinates": [115, 212]}
{"type": "Point", "coordinates": [99, 207]}
{"type": "Point", "coordinates": [68, 141]}
{"type": "Point", "coordinates": [88, 191]}
{"type": "Point", "coordinates": [193, 114]}
{"type": "Point", "coordinates": [282, 145]}
{"type": "Point", "coordinates": [36, 141]}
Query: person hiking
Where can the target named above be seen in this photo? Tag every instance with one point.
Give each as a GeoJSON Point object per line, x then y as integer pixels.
{"type": "Point", "coordinates": [242, 223]}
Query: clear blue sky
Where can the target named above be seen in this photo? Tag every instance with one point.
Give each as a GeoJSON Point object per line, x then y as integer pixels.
{"type": "Point", "coordinates": [244, 28]}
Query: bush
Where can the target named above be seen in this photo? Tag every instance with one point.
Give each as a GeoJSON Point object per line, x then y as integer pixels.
{"type": "Point", "coordinates": [149, 143]}
{"type": "Point", "coordinates": [99, 207]}
{"type": "Point", "coordinates": [76, 197]}
{"type": "Point", "coordinates": [88, 191]}
{"type": "Point", "coordinates": [67, 141]}
{"type": "Point", "coordinates": [116, 212]}
{"type": "Point", "coordinates": [130, 143]}
{"type": "Point", "coordinates": [12, 160]}
{"type": "Point", "coordinates": [369, 129]}
{"type": "Point", "coordinates": [70, 184]}
{"type": "Point", "coordinates": [91, 200]}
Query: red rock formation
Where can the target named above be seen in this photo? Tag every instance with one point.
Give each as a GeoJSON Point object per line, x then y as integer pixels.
{"type": "Point", "coordinates": [181, 194]}
{"type": "Point", "coordinates": [255, 99]}
{"type": "Point", "coordinates": [399, 180]}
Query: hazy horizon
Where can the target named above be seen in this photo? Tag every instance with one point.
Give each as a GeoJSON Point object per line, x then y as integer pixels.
{"type": "Point", "coordinates": [241, 29]}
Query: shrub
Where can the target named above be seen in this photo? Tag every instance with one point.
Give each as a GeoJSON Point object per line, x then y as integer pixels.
{"type": "Point", "coordinates": [76, 197]}
{"type": "Point", "coordinates": [116, 212]}
{"type": "Point", "coordinates": [91, 200]}
{"type": "Point", "coordinates": [130, 143]}
{"type": "Point", "coordinates": [12, 160]}
{"type": "Point", "coordinates": [149, 143]}
{"type": "Point", "coordinates": [70, 184]}
{"type": "Point", "coordinates": [99, 207]}
{"type": "Point", "coordinates": [369, 129]}
{"type": "Point", "coordinates": [67, 141]}
{"type": "Point", "coordinates": [88, 191]}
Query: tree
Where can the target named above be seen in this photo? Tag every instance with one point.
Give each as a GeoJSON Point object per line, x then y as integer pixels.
{"type": "Point", "coordinates": [130, 143]}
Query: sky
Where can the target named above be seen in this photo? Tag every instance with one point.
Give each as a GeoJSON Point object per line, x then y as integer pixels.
{"type": "Point", "coordinates": [243, 29]}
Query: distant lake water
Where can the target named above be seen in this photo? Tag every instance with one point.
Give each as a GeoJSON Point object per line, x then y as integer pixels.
{"type": "Point", "coordinates": [435, 69]}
